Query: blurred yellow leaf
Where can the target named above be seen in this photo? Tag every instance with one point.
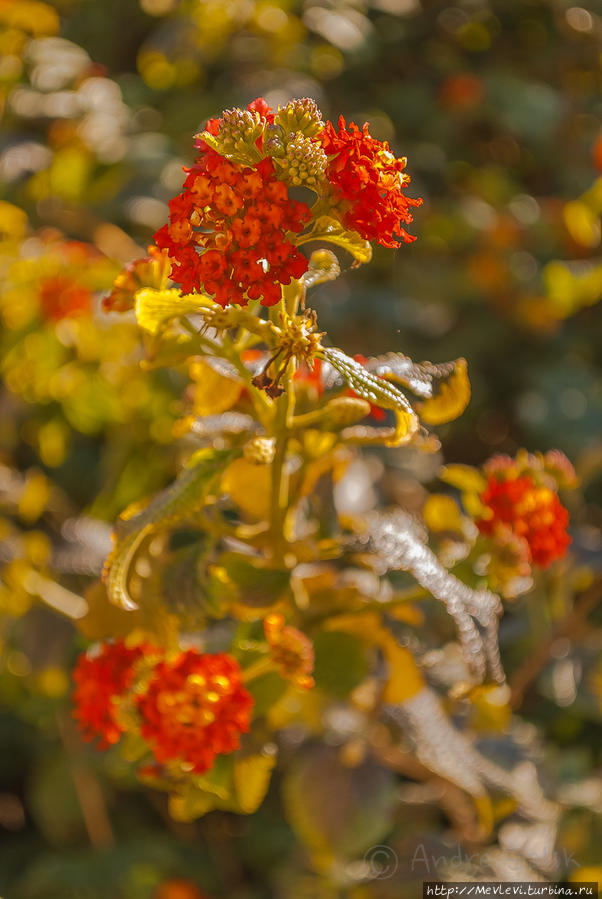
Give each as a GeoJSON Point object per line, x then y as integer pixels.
{"type": "Point", "coordinates": [250, 487]}
{"type": "Point", "coordinates": [190, 806]}
{"type": "Point", "coordinates": [587, 874]}
{"type": "Point", "coordinates": [490, 708]}
{"type": "Point", "coordinates": [582, 223]}
{"type": "Point", "coordinates": [405, 679]}
{"type": "Point", "coordinates": [31, 16]}
{"type": "Point", "coordinates": [464, 477]}
{"type": "Point", "coordinates": [252, 779]}
{"type": "Point", "coordinates": [35, 496]}
{"type": "Point", "coordinates": [450, 399]}
{"type": "Point", "coordinates": [13, 221]}
{"type": "Point", "coordinates": [441, 513]}
{"type": "Point", "coordinates": [214, 393]}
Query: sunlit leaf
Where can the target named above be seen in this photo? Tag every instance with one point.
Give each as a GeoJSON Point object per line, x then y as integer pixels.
{"type": "Point", "coordinates": [450, 397]}
{"type": "Point", "coordinates": [154, 308]}
{"type": "Point", "coordinates": [377, 391]}
{"type": "Point", "coordinates": [249, 486]}
{"type": "Point", "coordinates": [214, 393]}
{"type": "Point", "coordinates": [331, 230]}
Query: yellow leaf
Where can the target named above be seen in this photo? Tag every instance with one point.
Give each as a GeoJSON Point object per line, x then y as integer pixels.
{"type": "Point", "coordinates": [188, 808]}
{"type": "Point", "coordinates": [250, 487]}
{"type": "Point", "coordinates": [464, 477]}
{"type": "Point", "coordinates": [490, 707]}
{"type": "Point", "coordinates": [13, 221]}
{"type": "Point", "coordinates": [156, 307]}
{"type": "Point", "coordinates": [587, 874]}
{"type": "Point", "coordinates": [405, 679]}
{"type": "Point", "coordinates": [31, 16]}
{"type": "Point", "coordinates": [252, 779]}
{"type": "Point", "coordinates": [35, 496]}
{"type": "Point", "coordinates": [408, 613]}
{"type": "Point", "coordinates": [583, 223]}
{"type": "Point", "coordinates": [450, 399]}
{"type": "Point", "coordinates": [214, 393]}
{"type": "Point", "coordinates": [441, 513]}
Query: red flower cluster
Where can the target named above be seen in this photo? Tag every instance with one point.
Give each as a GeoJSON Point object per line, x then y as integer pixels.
{"type": "Point", "coordinates": [532, 512]}
{"type": "Point", "coordinates": [195, 708]}
{"type": "Point", "coordinates": [100, 680]}
{"type": "Point", "coordinates": [189, 709]}
{"type": "Point", "coordinates": [369, 179]}
{"type": "Point", "coordinates": [228, 232]}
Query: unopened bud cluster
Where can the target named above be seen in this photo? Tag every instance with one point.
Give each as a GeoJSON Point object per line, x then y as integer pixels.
{"type": "Point", "coordinates": [304, 162]}
{"type": "Point", "coordinates": [300, 115]}
{"type": "Point", "coordinates": [238, 131]}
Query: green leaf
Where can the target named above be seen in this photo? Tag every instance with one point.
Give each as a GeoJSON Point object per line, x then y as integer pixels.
{"type": "Point", "coordinates": [251, 582]}
{"type": "Point", "coordinates": [377, 391]}
{"type": "Point", "coordinates": [178, 503]}
{"type": "Point", "coordinates": [340, 662]}
{"type": "Point", "coordinates": [331, 230]}
{"type": "Point", "coordinates": [336, 811]}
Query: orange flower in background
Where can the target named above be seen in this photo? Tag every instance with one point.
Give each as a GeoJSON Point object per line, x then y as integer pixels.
{"type": "Point", "coordinates": [229, 232]}
{"type": "Point", "coordinates": [194, 708]}
{"type": "Point", "coordinates": [369, 179]}
{"type": "Point", "coordinates": [179, 888]}
{"type": "Point", "coordinates": [61, 296]}
{"type": "Point", "coordinates": [531, 511]}
{"type": "Point", "coordinates": [100, 680]}
{"type": "Point", "coordinates": [151, 271]}
{"type": "Point", "coordinates": [291, 651]}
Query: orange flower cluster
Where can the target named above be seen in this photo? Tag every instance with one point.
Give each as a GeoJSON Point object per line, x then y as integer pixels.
{"type": "Point", "coordinates": [188, 709]}
{"type": "Point", "coordinates": [61, 296]}
{"type": "Point", "coordinates": [369, 180]}
{"type": "Point", "coordinates": [291, 651]}
{"type": "Point", "coordinates": [514, 502]}
{"type": "Point", "coordinates": [195, 708]}
{"type": "Point", "coordinates": [229, 229]}
{"type": "Point", "coordinates": [100, 680]}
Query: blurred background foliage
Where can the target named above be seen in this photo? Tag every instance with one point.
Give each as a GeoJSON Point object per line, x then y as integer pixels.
{"type": "Point", "coordinates": [497, 106]}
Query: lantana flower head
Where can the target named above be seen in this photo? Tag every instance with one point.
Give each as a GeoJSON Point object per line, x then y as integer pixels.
{"type": "Point", "coordinates": [369, 181]}
{"type": "Point", "coordinates": [521, 497]}
{"type": "Point", "coordinates": [194, 708]}
{"type": "Point", "coordinates": [230, 231]}
{"type": "Point", "coordinates": [101, 679]}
